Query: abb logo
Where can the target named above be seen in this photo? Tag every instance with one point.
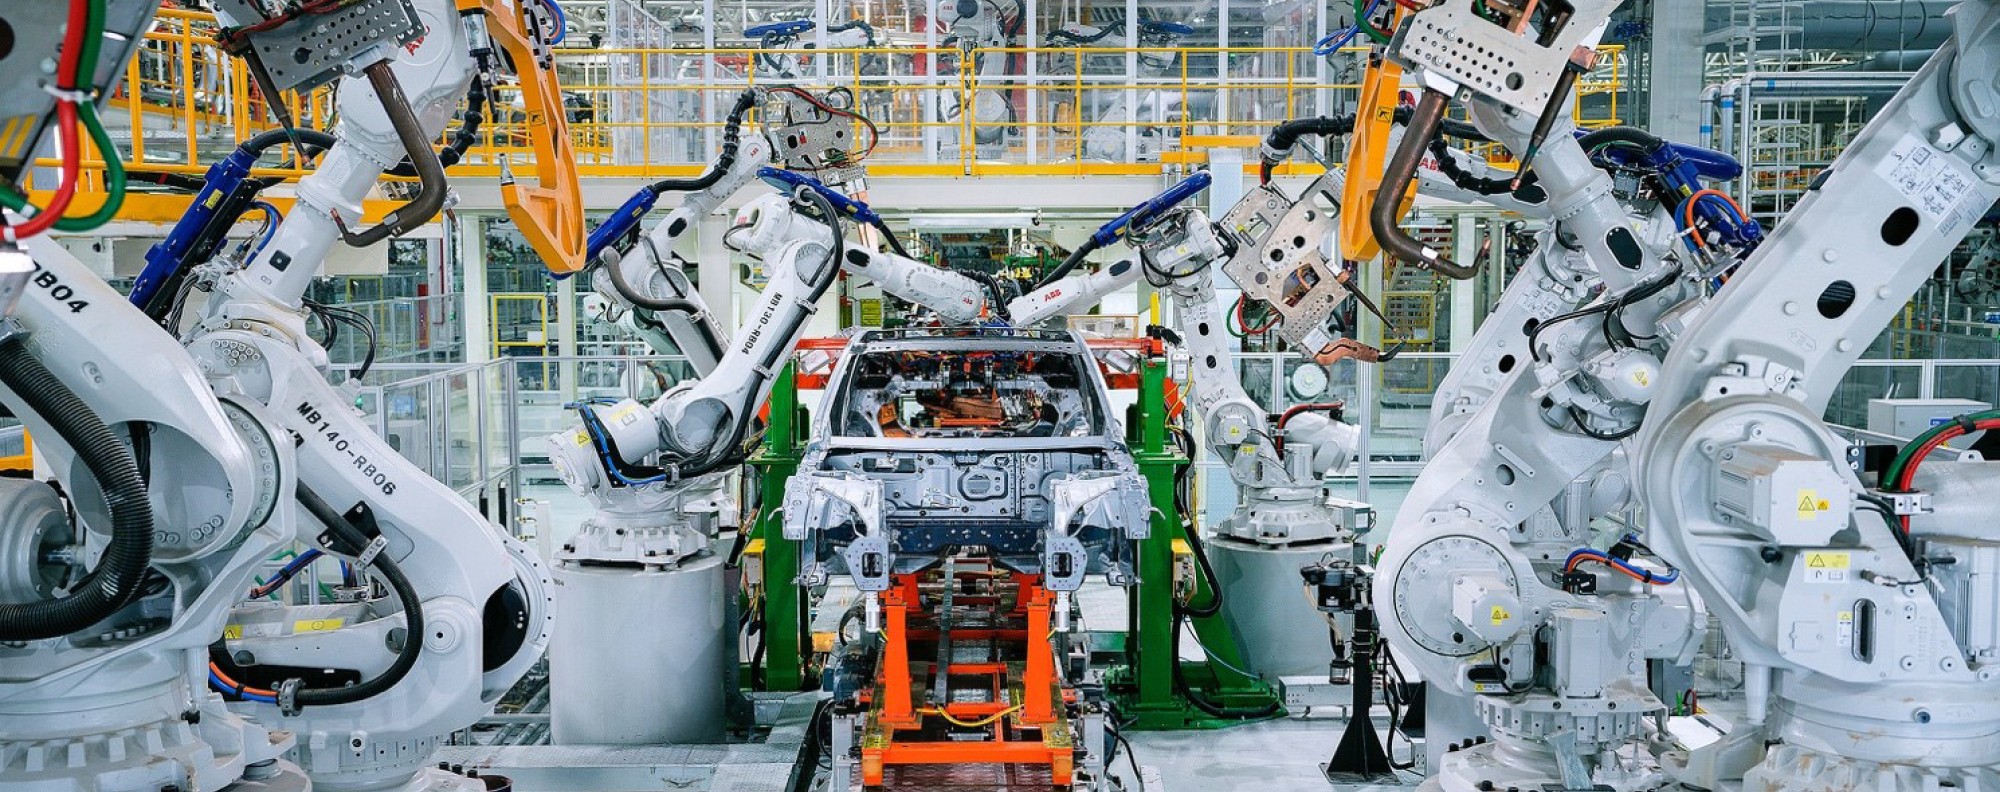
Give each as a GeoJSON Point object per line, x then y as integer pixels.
{"type": "Point", "coordinates": [1053, 293]}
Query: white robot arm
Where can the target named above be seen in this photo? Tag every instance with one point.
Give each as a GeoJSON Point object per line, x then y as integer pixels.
{"type": "Point", "coordinates": [1757, 501]}
{"type": "Point", "coordinates": [480, 598]}
{"type": "Point", "coordinates": [698, 428]}
{"type": "Point", "coordinates": [179, 497]}
{"type": "Point", "coordinates": [647, 278]}
{"type": "Point", "coordinates": [1487, 578]}
{"type": "Point", "coordinates": [1278, 465]}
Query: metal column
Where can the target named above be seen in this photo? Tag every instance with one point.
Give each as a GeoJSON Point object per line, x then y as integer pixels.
{"type": "Point", "coordinates": [1674, 70]}
{"type": "Point", "coordinates": [1146, 689]}
{"type": "Point", "coordinates": [478, 311]}
{"type": "Point", "coordinates": [785, 616]}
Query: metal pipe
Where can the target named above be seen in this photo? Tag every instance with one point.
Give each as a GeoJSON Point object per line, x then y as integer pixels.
{"type": "Point", "coordinates": [1840, 84]}
{"type": "Point", "coordinates": [1860, 24]}
{"type": "Point", "coordinates": [430, 170]}
{"type": "Point", "coordinates": [1384, 217]}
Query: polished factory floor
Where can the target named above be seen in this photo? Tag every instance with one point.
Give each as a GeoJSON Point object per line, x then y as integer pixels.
{"type": "Point", "coordinates": [1276, 756]}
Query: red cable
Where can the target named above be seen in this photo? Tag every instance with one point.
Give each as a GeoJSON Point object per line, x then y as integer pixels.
{"type": "Point", "coordinates": [1286, 416]}
{"type": "Point", "coordinates": [1621, 570]}
{"type": "Point", "coordinates": [66, 123]}
{"type": "Point", "coordinates": [1278, 443]}
{"type": "Point", "coordinates": [234, 685]}
{"type": "Point", "coordinates": [1244, 324]}
{"type": "Point", "coordinates": [1909, 474]}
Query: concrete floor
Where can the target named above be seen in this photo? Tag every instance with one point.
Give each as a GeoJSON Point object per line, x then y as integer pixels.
{"type": "Point", "coordinates": [1272, 756]}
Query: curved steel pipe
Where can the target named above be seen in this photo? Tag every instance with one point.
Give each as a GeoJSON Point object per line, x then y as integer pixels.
{"type": "Point", "coordinates": [430, 170]}
{"type": "Point", "coordinates": [1384, 217]}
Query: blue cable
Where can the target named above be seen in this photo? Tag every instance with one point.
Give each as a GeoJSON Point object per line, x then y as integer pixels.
{"type": "Point", "coordinates": [562, 22]}
{"type": "Point", "coordinates": [287, 572]}
{"type": "Point", "coordinates": [1323, 48]}
{"type": "Point", "coordinates": [223, 687]}
{"type": "Point", "coordinates": [604, 452]}
{"type": "Point", "coordinates": [1599, 555]}
{"type": "Point", "coordinates": [274, 217]}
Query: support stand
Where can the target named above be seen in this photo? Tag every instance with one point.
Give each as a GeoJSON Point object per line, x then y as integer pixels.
{"type": "Point", "coordinates": [1340, 587]}
{"type": "Point", "coordinates": [1361, 758]}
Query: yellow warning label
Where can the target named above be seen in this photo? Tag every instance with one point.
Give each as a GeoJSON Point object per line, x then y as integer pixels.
{"type": "Point", "coordinates": [317, 625]}
{"type": "Point", "coordinates": [14, 135]}
{"type": "Point", "coordinates": [232, 632]}
{"type": "Point", "coordinates": [1641, 378]}
{"type": "Point", "coordinates": [1826, 560]}
{"type": "Point", "coordinates": [581, 438]}
{"type": "Point", "coordinates": [1500, 615]}
{"type": "Point", "coordinates": [1811, 504]}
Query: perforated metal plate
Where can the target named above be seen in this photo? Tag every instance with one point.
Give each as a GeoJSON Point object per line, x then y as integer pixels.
{"type": "Point", "coordinates": [811, 140]}
{"type": "Point", "coordinates": [1449, 40]}
{"type": "Point", "coordinates": [311, 50]}
{"type": "Point", "coordinates": [1278, 258]}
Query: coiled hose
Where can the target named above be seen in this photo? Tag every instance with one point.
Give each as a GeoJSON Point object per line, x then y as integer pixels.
{"type": "Point", "coordinates": [122, 569]}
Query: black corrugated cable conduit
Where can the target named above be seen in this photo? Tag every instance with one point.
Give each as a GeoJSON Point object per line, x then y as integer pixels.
{"type": "Point", "coordinates": [122, 569]}
{"type": "Point", "coordinates": [1069, 264]}
{"type": "Point", "coordinates": [732, 136]}
{"type": "Point", "coordinates": [352, 540]}
{"type": "Point", "coordinates": [731, 140]}
{"type": "Point", "coordinates": [1620, 134]}
{"type": "Point", "coordinates": [462, 140]}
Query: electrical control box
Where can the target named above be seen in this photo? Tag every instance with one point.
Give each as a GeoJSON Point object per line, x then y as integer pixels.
{"type": "Point", "coordinates": [1907, 418]}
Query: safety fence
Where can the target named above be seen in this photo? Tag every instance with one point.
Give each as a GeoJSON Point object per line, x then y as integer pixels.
{"type": "Point", "coordinates": [937, 111]}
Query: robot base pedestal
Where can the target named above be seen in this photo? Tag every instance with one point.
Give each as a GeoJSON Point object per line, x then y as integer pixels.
{"type": "Point", "coordinates": [1497, 766]}
{"type": "Point", "coordinates": [1789, 768]}
{"type": "Point", "coordinates": [123, 727]}
{"type": "Point", "coordinates": [1280, 631]}
{"type": "Point", "coordinates": [639, 656]}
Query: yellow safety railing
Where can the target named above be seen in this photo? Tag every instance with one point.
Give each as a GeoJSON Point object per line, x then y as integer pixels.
{"type": "Point", "coordinates": [649, 113]}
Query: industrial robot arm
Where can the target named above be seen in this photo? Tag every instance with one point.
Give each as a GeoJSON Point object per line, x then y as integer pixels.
{"type": "Point", "coordinates": [460, 612]}
{"type": "Point", "coordinates": [1489, 575]}
{"type": "Point", "coordinates": [793, 35]}
{"type": "Point", "coordinates": [698, 428]}
{"type": "Point", "coordinates": [176, 494]}
{"type": "Point", "coordinates": [640, 272]}
{"type": "Point", "coordinates": [1860, 662]}
{"type": "Point", "coordinates": [1277, 462]}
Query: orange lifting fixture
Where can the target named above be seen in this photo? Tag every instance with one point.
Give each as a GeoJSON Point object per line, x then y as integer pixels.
{"type": "Point", "coordinates": [1368, 152]}
{"type": "Point", "coordinates": [1004, 708]}
{"type": "Point", "coordinates": [550, 213]}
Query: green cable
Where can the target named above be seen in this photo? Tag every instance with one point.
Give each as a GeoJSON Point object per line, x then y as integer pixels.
{"type": "Point", "coordinates": [1368, 25]}
{"type": "Point", "coordinates": [1895, 469]}
{"type": "Point", "coordinates": [114, 165]}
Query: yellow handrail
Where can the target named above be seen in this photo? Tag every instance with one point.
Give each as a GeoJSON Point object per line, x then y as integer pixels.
{"type": "Point", "coordinates": [649, 113]}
